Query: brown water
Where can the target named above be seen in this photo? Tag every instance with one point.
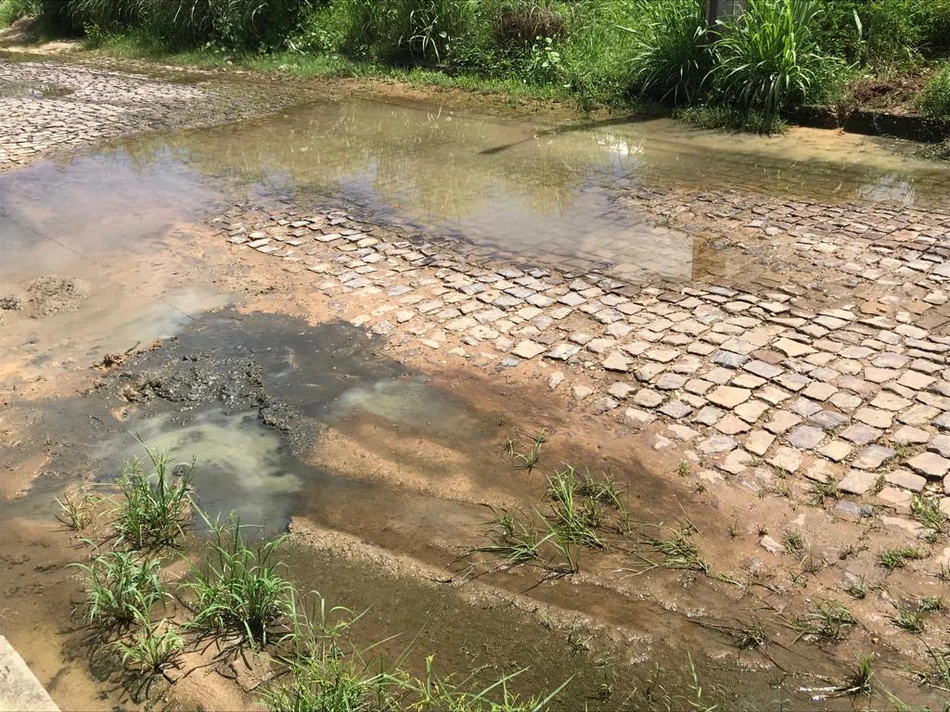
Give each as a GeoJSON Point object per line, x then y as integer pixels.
{"type": "Point", "coordinates": [396, 461]}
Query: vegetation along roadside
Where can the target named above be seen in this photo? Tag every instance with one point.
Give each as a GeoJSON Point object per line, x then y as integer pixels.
{"type": "Point", "coordinates": [746, 72]}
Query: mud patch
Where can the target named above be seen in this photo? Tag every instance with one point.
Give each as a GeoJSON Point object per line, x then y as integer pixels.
{"type": "Point", "coordinates": [53, 295]}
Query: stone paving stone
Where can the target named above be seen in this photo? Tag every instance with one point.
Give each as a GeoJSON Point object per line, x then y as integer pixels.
{"type": "Point", "coordinates": [620, 391]}
{"type": "Point", "coordinates": [675, 409]}
{"type": "Point", "coordinates": [717, 444]}
{"type": "Point", "coordinates": [804, 407]}
{"type": "Point", "coordinates": [895, 497]}
{"type": "Point", "coordinates": [581, 392]}
{"type": "Point", "coordinates": [918, 415]}
{"type": "Point", "coordinates": [912, 436]}
{"type": "Point", "coordinates": [670, 382]}
{"type": "Point", "coordinates": [729, 424]}
{"type": "Point", "coordinates": [758, 442]}
{"type": "Point", "coordinates": [562, 352]}
{"type": "Point", "coordinates": [648, 398]}
{"type": "Point", "coordinates": [929, 464]}
{"type": "Point", "coordinates": [940, 445]}
{"type": "Point", "coordinates": [872, 457]}
{"type": "Point", "coordinates": [728, 396]}
{"type": "Point", "coordinates": [858, 482]}
{"type": "Point", "coordinates": [890, 401]}
{"type": "Point", "coordinates": [616, 361]}
{"type": "Point", "coordinates": [905, 479]}
{"type": "Point", "coordinates": [708, 416]}
{"type": "Point", "coordinates": [836, 450]}
{"type": "Point", "coordinates": [763, 369]}
{"type": "Point", "coordinates": [874, 417]}
{"type": "Point", "coordinates": [736, 462]}
{"type": "Point", "coordinates": [786, 459]}
{"type": "Point", "coordinates": [781, 421]}
{"type": "Point", "coordinates": [819, 391]}
{"type": "Point", "coordinates": [793, 349]}
{"type": "Point", "coordinates": [805, 437]}
{"type": "Point", "coordinates": [638, 418]}
{"type": "Point", "coordinates": [860, 434]}
{"type": "Point", "coordinates": [529, 349]}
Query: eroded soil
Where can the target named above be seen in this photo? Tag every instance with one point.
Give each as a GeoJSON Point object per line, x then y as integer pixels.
{"type": "Point", "coordinates": [367, 412]}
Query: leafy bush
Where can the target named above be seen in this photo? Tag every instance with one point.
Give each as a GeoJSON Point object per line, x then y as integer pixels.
{"type": "Point", "coordinates": [768, 58]}
{"type": "Point", "coordinates": [120, 588]}
{"type": "Point", "coordinates": [878, 33]}
{"type": "Point", "coordinates": [156, 507]}
{"type": "Point", "coordinates": [672, 57]}
{"type": "Point", "coordinates": [934, 100]}
{"type": "Point", "coordinates": [13, 10]}
{"type": "Point", "coordinates": [239, 585]}
{"type": "Point", "coordinates": [420, 31]}
{"type": "Point", "coordinates": [235, 24]}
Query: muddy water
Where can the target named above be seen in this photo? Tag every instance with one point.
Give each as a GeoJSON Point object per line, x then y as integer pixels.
{"type": "Point", "coordinates": [289, 418]}
{"type": "Point", "coordinates": [515, 187]}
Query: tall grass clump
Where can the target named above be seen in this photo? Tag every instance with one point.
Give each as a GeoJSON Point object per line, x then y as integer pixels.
{"type": "Point", "coordinates": [249, 25]}
{"type": "Point", "coordinates": [672, 56]}
{"type": "Point", "coordinates": [13, 10]}
{"type": "Point", "coordinates": [416, 31]}
{"type": "Point", "coordinates": [120, 588]}
{"type": "Point", "coordinates": [156, 505]}
{"type": "Point", "coordinates": [934, 100]}
{"type": "Point", "coordinates": [238, 587]}
{"type": "Point", "coordinates": [768, 58]}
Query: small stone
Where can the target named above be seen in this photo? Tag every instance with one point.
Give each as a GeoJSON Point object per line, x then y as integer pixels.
{"type": "Point", "coordinates": [771, 546]}
{"type": "Point", "coordinates": [805, 407]}
{"type": "Point", "coordinates": [905, 479]}
{"type": "Point", "coordinates": [681, 432]}
{"type": "Point", "coordinates": [731, 425]}
{"type": "Point", "coordinates": [603, 405]}
{"type": "Point", "coordinates": [858, 482]}
{"type": "Point", "coordinates": [805, 437]}
{"type": "Point", "coordinates": [836, 451]}
{"type": "Point", "coordinates": [860, 434]}
{"type": "Point", "coordinates": [786, 459]}
{"type": "Point", "coordinates": [872, 457]}
{"type": "Point", "coordinates": [828, 419]}
{"type": "Point", "coordinates": [759, 442]}
{"type": "Point", "coordinates": [782, 421]}
{"type": "Point", "coordinates": [648, 398]}
{"type": "Point", "coordinates": [751, 411]}
{"type": "Point", "coordinates": [581, 392]}
{"type": "Point", "coordinates": [929, 464]}
{"type": "Point", "coordinates": [874, 417]}
{"type": "Point", "coordinates": [717, 443]}
{"type": "Point", "coordinates": [707, 415]}
{"type": "Point", "coordinates": [728, 397]}
{"type": "Point", "coordinates": [637, 418]}
{"type": "Point", "coordinates": [562, 352]}
{"type": "Point", "coordinates": [529, 349]}
{"type": "Point", "coordinates": [617, 362]}
{"type": "Point", "coordinates": [736, 462]}
{"type": "Point", "coordinates": [763, 369]}
{"type": "Point", "coordinates": [728, 358]}
{"type": "Point", "coordinates": [556, 379]}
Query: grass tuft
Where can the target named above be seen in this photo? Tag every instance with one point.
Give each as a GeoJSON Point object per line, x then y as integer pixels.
{"type": "Point", "coordinates": [156, 506]}
{"type": "Point", "coordinates": [121, 588]}
{"type": "Point", "coordinates": [892, 559]}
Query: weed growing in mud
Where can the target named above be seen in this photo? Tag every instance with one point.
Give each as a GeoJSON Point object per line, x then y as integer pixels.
{"type": "Point", "coordinates": [527, 460]}
{"type": "Point", "coordinates": [892, 559]}
{"type": "Point", "coordinates": [909, 618]}
{"type": "Point", "coordinates": [120, 588]}
{"type": "Point", "coordinates": [575, 517]}
{"type": "Point", "coordinates": [238, 586]}
{"type": "Point", "coordinates": [679, 551]}
{"type": "Point", "coordinates": [156, 506]}
{"type": "Point", "coordinates": [77, 511]}
{"type": "Point", "coordinates": [793, 542]}
{"type": "Point", "coordinates": [827, 622]}
{"type": "Point", "coordinates": [858, 589]}
{"type": "Point", "coordinates": [153, 648]}
{"type": "Point", "coordinates": [517, 543]}
{"type": "Point", "coordinates": [823, 491]}
{"type": "Point", "coordinates": [682, 468]}
{"type": "Point", "coordinates": [926, 510]}
{"type": "Point", "coordinates": [858, 683]}
{"type": "Point", "coordinates": [938, 675]}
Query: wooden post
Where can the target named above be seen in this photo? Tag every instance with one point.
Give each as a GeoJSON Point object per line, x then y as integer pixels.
{"type": "Point", "coordinates": [723, 10]}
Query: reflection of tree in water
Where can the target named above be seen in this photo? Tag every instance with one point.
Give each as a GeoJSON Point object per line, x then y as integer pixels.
{"type": "Point", "coordinates": [433, 166]}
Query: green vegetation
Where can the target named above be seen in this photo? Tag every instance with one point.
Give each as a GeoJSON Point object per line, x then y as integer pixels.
{"type": "Point", "coordinates": [892, 559]}
{"type": "Point", "coordinates": [744, 73]}
{"type": "Point", "coordinates": [237, 589]}
{"type": "Point", "coordinates": [934, 100]}
{"type": "Point", "coordinates": [156, 506]}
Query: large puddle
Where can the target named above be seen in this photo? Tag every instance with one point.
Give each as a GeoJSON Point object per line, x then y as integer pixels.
{"type": "Point", "coordinates": [539, 191]}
